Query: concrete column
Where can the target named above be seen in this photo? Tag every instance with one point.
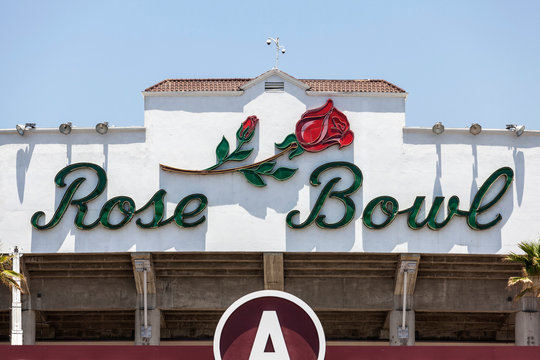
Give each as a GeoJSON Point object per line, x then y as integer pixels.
{"type": "Point", "coordinates": [145, 282]}
{"type": "Point", "coordinates": [528, 323]}
{"type": "Point", "coordinates": [405, 284]}
{"type": "Point", "coordinates": [273, 271]}
{"type": "Point", "coordinates": [396, 318]}
{"type": "Point", "coordinates": [528, 328]}
{"type": "Point", "coordinates": [154, 321]}
{"type": "Point", "coordinates": [29, 327]}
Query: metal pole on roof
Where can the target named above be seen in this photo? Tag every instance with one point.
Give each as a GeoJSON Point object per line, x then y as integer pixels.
{"type": "Point", "coordinates": [404, 298]}
{"type": "Point", "coordinates": [278, 48]}
{"type": "Point", "coordinates": [145, 299]}
{"type": "Point", "coordinates": [16, 306]}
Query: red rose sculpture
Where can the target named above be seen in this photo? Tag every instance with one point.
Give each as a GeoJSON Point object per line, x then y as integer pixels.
{"type": "Point", "coordinates": [323, 127]}
{"type": "Point", "coordinates": [316, 130]}
{"type": "Point", "coordinates": [246, 129]}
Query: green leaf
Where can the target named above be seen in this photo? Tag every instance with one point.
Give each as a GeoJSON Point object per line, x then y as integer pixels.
{"type": "Point", "coordinates": [289, 139]}
{"type": "Point", "coordinates": [222, 150]}
{"type": "Point", "coordinates": [283, 173]}
{"type": "Point", "coordinates": [266, 167]}
{"type": "Point", "coordinates": [253, 177]}
{"type": "Point", "coordinates": [298, 151]}
{"type": "Point", "coordinates": [12, 274]}
{"type": "Point", "coordinates": [240, 155]}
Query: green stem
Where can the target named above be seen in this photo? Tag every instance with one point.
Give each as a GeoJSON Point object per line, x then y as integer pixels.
{"type": "Point", "coordinates": [241, 143]}
{"type": "Point", "coordinates": [211, 171]}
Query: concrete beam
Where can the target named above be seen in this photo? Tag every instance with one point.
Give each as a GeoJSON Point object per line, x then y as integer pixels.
{"type": "Point", "coordinates": [200, 293]}
{"type": "Point", "coordinates": [463, 295]}
{"type": "Point", "coordinates": [139, 275]}
{"type": "Point", "coordinates": [273, 271]}
{"type": "Point", "coordinates": [82, 294]}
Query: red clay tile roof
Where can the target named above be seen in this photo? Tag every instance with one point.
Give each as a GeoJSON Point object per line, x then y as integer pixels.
{"type": "Point", "coordinates": [352, 86]}
{"type": "Point", "coordinates": [198, 85]}
{"type": "Point", "coordinates": [180, 85]}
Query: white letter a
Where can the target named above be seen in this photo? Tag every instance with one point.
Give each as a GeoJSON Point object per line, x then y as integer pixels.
{"type": "Point", "coordinates": [269, 329]}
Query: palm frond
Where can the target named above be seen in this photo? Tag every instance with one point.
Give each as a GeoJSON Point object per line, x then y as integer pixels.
{"type": "Point", "coordinates": [522, 293]}
{"type": "Point", "coordinates": [530, 263]}
{"type": "Point", "coordinates": [527, 248]}
{"type": "Point", "coordinates": [518, 279]}
{"type": "Point", "coordinates": [9, 277]}
{"type": "Point", "coordinates": [9, 281]}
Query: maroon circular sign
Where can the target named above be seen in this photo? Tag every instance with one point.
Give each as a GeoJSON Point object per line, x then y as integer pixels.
{"type": "Point", "coordinates": [269, 325]}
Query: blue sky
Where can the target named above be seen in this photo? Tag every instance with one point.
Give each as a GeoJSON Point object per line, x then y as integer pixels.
{"type": "Point", "coordinates": [87, 61]}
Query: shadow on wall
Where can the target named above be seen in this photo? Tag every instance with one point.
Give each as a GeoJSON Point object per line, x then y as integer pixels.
{"type": "Point", "coordinates": [22, 165]}
{"type": "Point", "coordinates": [24, 157]}
{"type": "Point", "coordinates": [519, 176]}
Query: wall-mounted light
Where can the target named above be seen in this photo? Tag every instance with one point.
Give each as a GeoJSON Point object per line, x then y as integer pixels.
{"type": "Point", "coordinates": [22, 128]}
{"type": "Point", "coordinates": [475, 129]}
{"type": "Point", "coordinates": [65, 128]}
{"type": "Point", "coordinates": [438, 128]}
{"type": "Point", "coordinates": [518, 129]}
{"type": "Point", "coordinates": [102, 128]}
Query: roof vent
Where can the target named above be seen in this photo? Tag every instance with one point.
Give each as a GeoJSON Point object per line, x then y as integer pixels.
{"type": "Point", "coordinates": [274, 86]}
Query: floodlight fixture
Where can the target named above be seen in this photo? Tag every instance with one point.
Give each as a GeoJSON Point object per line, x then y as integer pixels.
{"type": "Point", "coordinates": [438, 128]}
{"type": "Point", "coordinates": [22, 128]}
{"type": "Point", "coordinates": [102, 127]}
{"type": "Point", "coordinates": [517, 129]}
{"type": "Point", "coordinates": [475, 129]}
{"type": "Point", "coordinates": [65, 128]}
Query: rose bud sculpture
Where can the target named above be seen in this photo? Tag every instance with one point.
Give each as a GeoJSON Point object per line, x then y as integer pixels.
{"type": "Point", "coordinates": [246, 131]}
{"type": "Point", "coordinates": [323, 127]}
{"type": "Point", "coordinates": [316, 130]}
{"type": "Point", "coordinates": [244, 135]}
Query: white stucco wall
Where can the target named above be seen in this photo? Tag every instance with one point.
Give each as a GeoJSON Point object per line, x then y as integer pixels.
{"type": "Point", "coordinates": [183, 131]}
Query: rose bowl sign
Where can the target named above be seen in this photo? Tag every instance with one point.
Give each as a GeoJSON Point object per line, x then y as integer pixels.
{"type": "Point", "coordinates": [269, 325]}
{"type": "Point", "coordinates": [317, 130]}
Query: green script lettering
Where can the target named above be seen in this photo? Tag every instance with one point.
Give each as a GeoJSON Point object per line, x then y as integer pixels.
{"type": "Point", "coordinates": [68, 199]}
{"type": "Point", "coordinates": [124, 204]}
{"type": "Point", "coordinates": [389, 207]}
{"type": "Point", "coordinates": [326, 193]}
{"type": "Point", "coordinates": [476, 205]}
